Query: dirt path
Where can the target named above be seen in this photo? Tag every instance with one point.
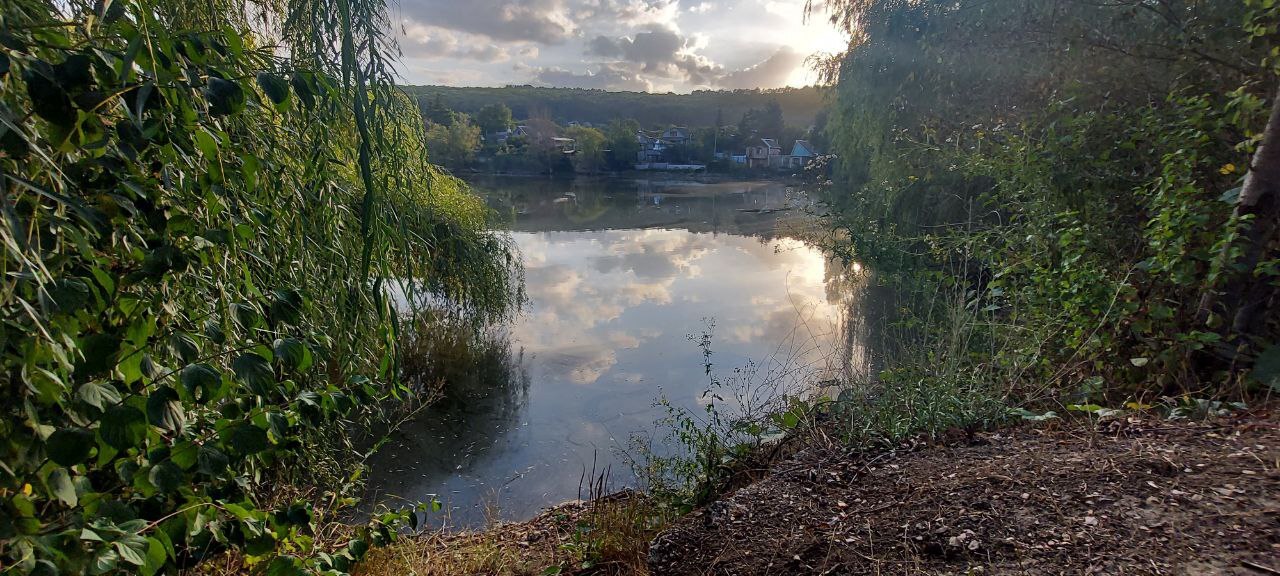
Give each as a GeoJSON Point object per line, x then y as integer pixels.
{"type": "Point", "coordinates": [1125, 497]}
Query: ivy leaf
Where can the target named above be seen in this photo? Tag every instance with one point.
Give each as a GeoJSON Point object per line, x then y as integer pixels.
{"type": "Point", "coordinates": [99, 354]}
{"type": "Point", "coordinates": [62, 487]}
{"type": "Point", "coordinates": [284, 565]}
{"type": "Point", "coordinates": [99, 394]}
{"type": "Point", "coordinates": [247, 439]}
{"type": "Point", "coordinates": [255, 371]}
{"type": "Point", "coordinates": [286, 306]}
{"type": "Point", "coordinates": [166, 477]}
{"type": "Point", "coordinates": [184, 346]}
{"type": "Point", "coordinates": [293, 353]}
{"type": "Point", "coordinates": [69, 446]}
{"type": "Point", "coordinates": [211, 461]}
{"type": "Point", "coordinates": [165, 411]}
{"type": "Point", "coordinates": [201, 378]}
{"type": "Point", "coordinates": [123, 427]}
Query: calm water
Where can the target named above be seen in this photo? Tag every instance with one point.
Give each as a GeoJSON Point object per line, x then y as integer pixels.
{"type": "Point", "coordinates": [620, 276]}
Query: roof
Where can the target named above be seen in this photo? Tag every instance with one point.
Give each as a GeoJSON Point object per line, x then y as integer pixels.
{"type": "Point", "coordinates": [803, 148]}
{"type": "Point", "coordinates": [770, 142]}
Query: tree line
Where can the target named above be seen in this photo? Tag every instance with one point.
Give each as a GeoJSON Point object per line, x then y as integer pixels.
{"type": "Point", "coordinates": [481, 141]}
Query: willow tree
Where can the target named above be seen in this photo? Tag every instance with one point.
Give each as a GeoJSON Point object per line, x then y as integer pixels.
{"type": "Point", "coordinates": [204, 206]}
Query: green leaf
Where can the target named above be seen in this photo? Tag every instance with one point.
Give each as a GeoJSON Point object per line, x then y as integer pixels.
{"type": "Point", "coordinates": [69, 446]}
{"type": "Point", "coordinates": [68, 295]}
{"type": "Point", "coordinates": [105, 561]}
{"type": "Point", "coordinates": [207, 145]}
{"type": "Point", "coordinates": [62, 487]}
{"type": "Point", "coordinates": [165, 411]}
{"type": "Point", "coordinates": [293, 353]}
{"type": "Point", "coordinates": [247, 439]}
{"type": "Point", "coordinates": [100, 352]}
{"type": "Point", "coordinates": [133, 549]}
{"type": "Point", "coordinates": [285, 565]}
{"type": "Point", "coordinates": [255, 372]}
{"type": "Point", "coordinates": [184, 346]}
{"type": "Point", "coordinates": [123, 427]}
{"type": "Point", "coordinates": [224, 96]}
{"type": "Point", "coordinates": [201, 381]}
{"type": "Point", "coordinates": [1139, 362]}
{"type": "Point", "coordinates": [301, 83]}
{"type": "Point", "coordinates": [166, 477]}
{"type": "Point", "coordinates": [275, 87]}
{"type": "Point", "coordinates": [211, 460]}
{"type": "Point", "coordinates": [48, 99]}
{"type": "Point", "coordinates": [155, 559]}
{"type": "Point", "coordinates": [185, 454]}
{"type": "Point", "coordinates": [286, 306]}
{"type": "Point", "coordinates": [1266, 369]}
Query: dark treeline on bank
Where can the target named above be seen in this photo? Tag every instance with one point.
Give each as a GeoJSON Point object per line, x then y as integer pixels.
{"type": "Point", "coordinates": [564, 105]}
{"type": "Point", "coordinates": [497, 138]}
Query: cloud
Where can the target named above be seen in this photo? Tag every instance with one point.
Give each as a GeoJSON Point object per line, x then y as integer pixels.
{"type": "Point", "coordinates": [771, 73]}
{"type": "Point", "coordinates": [541, 21]}
{"type": "Point", "coordinates": [605, 77]}
{"type": "Point", "coordinates": [433, 42]}
{"type": "Point", "coordinates": [658, 51]}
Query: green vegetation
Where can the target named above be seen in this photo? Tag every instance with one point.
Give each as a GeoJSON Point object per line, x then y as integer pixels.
{"type": "Point", "coordinates": [492, 141]}
{"type": "Point", "coordinates": [564, 105]}
{"type": "Point", "coordinates": [1053, 189]}
{"type": "Point", "coordinates": [204, 220]}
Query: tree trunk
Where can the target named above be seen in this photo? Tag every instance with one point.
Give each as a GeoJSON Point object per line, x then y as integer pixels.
{"type": "Point", "coordinates": [1244, 297]}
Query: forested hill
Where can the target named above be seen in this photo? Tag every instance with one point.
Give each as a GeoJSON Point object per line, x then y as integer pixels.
{"type": "Point", "coordinates": [564, 105]}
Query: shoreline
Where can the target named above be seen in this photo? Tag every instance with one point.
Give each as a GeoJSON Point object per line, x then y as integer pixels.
{"type": "Point", "coordinates": [1131, 493]}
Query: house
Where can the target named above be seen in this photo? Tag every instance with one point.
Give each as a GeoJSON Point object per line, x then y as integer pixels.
{"type": "Point", "coordinates": [565, 145]}
{"type": "Point", "coordinates": [801, 154]}
{"type": "Point", "coordinates": [502, 137]}
{"type": "Point", "coordinates": [651, 147]}
{"type": "Point", "coordinates": [675, 136]}
{"type": "Point", "coordinates": [765, 154]}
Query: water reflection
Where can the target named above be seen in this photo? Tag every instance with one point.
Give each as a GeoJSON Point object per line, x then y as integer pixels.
{"type": "Point", "coordinates": [617, 282]}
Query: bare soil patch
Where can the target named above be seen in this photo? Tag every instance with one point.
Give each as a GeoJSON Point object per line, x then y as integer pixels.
{"type": "Point", "coordinates": [1124, 496]}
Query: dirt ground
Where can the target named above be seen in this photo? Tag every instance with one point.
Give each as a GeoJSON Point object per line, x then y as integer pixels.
{"type": "Point", "coordinates": [1126, 496]}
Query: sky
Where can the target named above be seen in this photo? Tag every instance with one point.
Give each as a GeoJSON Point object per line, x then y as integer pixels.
{"type": "Point", "coordinates": [635, 45]}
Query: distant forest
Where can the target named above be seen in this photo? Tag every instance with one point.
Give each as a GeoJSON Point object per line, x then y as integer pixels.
{"type": "Point", "coordinates": [564, 105]}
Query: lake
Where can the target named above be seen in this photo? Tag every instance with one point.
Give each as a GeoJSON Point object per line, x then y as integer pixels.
{"type": "Point", "coordinates": [624, 278]}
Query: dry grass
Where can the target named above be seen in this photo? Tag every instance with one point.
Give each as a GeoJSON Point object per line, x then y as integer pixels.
{"type": "Point", "coordinates": [608, 536]}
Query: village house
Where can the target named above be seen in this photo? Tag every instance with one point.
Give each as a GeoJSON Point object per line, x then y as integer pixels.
{"type": "Point", "coordinates": [801, 154]}
{"type": "Point", "coordinates": [503, 136]}
{"type": "Point", "coordinates": [766, 154]}
{"type": "Point", "coordinates": [566, 145]}
{"type": "Point", "coordinates": [675, 136]}
{"type": "Point", "coordinates": [651, 147]}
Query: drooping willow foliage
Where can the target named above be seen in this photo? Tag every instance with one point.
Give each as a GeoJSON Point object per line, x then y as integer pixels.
{"type": "Point", "coordinates": [206, 209]}
{"type": "Point", "coordinates": [1065, 172]}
